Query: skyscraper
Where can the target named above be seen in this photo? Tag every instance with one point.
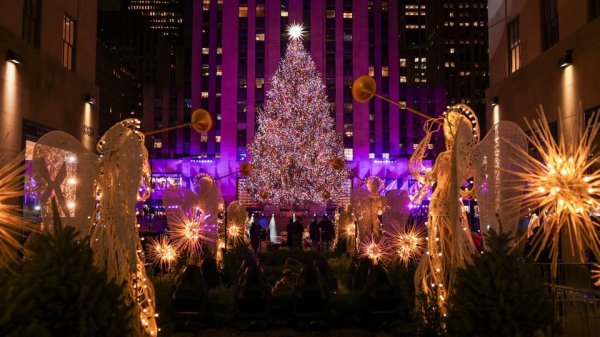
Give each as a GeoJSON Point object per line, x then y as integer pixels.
{"type": "Point", "coordinates": [405, 45]}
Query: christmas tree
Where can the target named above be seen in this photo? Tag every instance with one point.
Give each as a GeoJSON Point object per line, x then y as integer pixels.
{"type": "Point", "coordinates": [296, 154]}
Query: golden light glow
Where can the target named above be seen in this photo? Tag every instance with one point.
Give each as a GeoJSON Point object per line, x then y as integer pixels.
{"type": "Point", "coordinates": [407, 244]}
{"type": "Point", "coordinates": [188, 230]}
{"type": "Point", "coordinates": [145, 300]}
{"type": "Point", "coordinates": [11, 220]}
{"type": "Point", "coordinates": [375, 249]}
{"type": "Point", "coordinates": [564, 187]}
{"type": "Point", "coordinates": [161, 252]}
{"type": "Point", "coordinates": [296, 31]}
{"type": "Point", "coordinates": [235, 234]}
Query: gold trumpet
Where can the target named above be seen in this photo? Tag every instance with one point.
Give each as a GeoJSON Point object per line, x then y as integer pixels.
{"type": "Point", "coordinates": [201, 122]}
{"type": "Point", "coordinates": [363, 89]}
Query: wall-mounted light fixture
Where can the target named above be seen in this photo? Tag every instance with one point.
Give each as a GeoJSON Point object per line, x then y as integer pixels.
{"type": "Point", "coordinates": [494, 101]}
{"type": "Point", "coordinates": [90, 100]}
{"type": "Point", "coordinates": [14, 57]}
{"type": "Point", "coordinates": [566, 60]}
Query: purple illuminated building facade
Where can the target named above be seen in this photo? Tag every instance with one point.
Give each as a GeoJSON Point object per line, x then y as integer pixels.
{"type": "Point", "coordinates": [236, 47]}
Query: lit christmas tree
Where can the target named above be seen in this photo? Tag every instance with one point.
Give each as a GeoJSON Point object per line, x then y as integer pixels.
{"type": "Point", "coordinates": [296, 154]}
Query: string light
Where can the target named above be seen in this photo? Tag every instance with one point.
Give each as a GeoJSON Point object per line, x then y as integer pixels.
{"type": "Point", "coordinates": [296, 140]}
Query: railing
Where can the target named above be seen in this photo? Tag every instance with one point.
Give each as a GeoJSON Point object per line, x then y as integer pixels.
{"type": "Point", "coordinates": [576, 311]}
{"type": "Point", "coordinates": [575, 300]}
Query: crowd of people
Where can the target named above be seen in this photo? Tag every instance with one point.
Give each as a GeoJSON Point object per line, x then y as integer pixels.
{"type": "Point", "coordinates": [321, 234]}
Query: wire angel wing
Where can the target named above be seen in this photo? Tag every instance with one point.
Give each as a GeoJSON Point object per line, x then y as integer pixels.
{"type": "Point", "coordinates": [64, 169]}
{"type": "Point", "coordinates": [495, 158]}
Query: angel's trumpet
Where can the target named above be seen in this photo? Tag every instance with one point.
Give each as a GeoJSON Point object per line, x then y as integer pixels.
{"type": "Point", "coordinates": [363, 90]}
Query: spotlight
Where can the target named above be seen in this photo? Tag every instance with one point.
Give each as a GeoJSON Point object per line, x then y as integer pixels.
{"type": "Point", "coordinates": [566, 60]}
{"type": "Point", "coordinates": [14, 57]}
{"type": "Point", "coordinates": [494, 101]}
{"type": "Point", "coordinates": [90, 100]}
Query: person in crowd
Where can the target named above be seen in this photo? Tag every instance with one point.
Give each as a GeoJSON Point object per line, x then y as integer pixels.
{"type": "Point", "coordinates": [255, 231]}
{"type": "Point", "coordinates": [290, 230]}
{"type": "Point", "coordinates": [315, 234]}
{"type": "Point", "coordinates": [298, 230]}
{"type": "Point", "coordinates": [327, 232]}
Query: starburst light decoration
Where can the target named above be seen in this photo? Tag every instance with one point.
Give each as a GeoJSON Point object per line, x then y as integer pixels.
{"type": "Point", "coordinates": [407, 243]}
{"type": "Point", "coordinates": [162, 252]}
{"type": "Point", "coordinates": [296, 31]}
{"type": "Point", "coordinates": [564, 186]}
{"type": "Point", "coordinates": [296, 140]}
{"type": "Point", "coordinates": [11, 221]}
{"type": "Point", "coordinates": [374, 248]}
{"type": "Point", "coordinates": [189, 231]}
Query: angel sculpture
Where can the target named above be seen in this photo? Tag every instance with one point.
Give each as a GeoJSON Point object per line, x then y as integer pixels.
{"type": "Point", "coordinates": [450, 245]}
{"type": "Point", "coordinates": [193, 217]}
{"type": "Point", "coordinates": [368, 206]}
{"type": "Point", "coordinates": [97, 195]}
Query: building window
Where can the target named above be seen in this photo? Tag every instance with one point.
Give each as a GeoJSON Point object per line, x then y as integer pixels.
{"type": "Point", "coordinates": [31, 22]}
{"type": "Point", "coordinates": [549, 23]}
{"type": "Point", "coordinates": [260, 11]}
{"type": "Point", "coordinates": [349, 154]}
{"type": "Point", "coordinates": [260, 37]}
{"type": "Point", "coordinates": [347, 15]}
{"type": "Point", "coordinates": [243, 12]}
{"type": "Point", "coordinates": [68, 41]}
{"type": "Point", "coordinates": [514, 46]}
{"type": "Point", "coordinates": [594, 9]}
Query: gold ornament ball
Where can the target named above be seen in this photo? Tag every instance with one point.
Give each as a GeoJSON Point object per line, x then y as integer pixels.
{"type": "Point", "coordinates": [337, 163]}
{"type": "Point", "coordinates": [246, 169]}
{"type": "Point", "coordinates": [326, 195]}
{"type": "Point", "coordinates": [264, 195]}
{"type": "Point", "coordinates": [201, 121]}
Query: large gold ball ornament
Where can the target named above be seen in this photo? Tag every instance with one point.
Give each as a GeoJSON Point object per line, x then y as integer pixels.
{"type": "Point", "coordinates": [264, 195]}
{"type": "Point", "coordinates": [201, 121]}
{"type": "Point", "coordinates": [363, 88]}
{"type": "Point", "coordinates": [326, 195]}
{"type": "Point", "coordinates": [337, 163]}
{"type": "Point", "coordinates": [246, 169]}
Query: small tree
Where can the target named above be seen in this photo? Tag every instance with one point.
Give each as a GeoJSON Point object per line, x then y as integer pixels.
{"type": "Point", "coordinates": [498, 294]}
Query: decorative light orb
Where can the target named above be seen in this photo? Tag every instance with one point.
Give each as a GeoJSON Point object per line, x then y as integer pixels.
{"type": "Point", "coordinates": [246, 169]}
{"type": "Point", "coordinates": [337, 163]}
{"type": "Point", "coordinates": [201, 121]}
{"type": "Point", "coordinates": [295, 31]}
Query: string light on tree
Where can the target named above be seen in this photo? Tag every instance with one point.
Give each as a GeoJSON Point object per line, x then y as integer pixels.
{"type": "Point", "coordinates": [291, 156]}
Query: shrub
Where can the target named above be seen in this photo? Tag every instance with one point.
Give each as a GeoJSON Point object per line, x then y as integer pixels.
{"type": "Point", "coordinates": [59, 292]}
{"type": "Point", "coordinates": [498, 293]}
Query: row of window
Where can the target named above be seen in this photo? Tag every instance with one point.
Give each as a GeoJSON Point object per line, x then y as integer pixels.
{"type": "Point", "coordinates": [31, 31]}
